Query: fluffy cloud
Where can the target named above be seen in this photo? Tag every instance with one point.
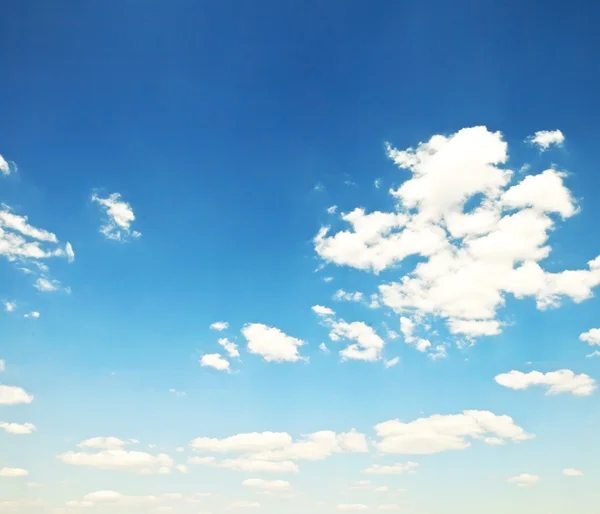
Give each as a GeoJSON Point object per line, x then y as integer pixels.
{"type": "Point", "coordinates": [132, 461]}
{"type": "Point", "coordinates": [12, 395]}
{"type": "Point", "coordinates": [367, 345]}
{"type": "Point", "coordinates": [322, 311]}
{"type": "Point", "coordinates": [214, 360]}
{"type": "Point", "coordinates": [556, 382]}
{"type": "Point", "coordinates": [271, 343]}
{"type": "Point", "coordinates": [17, 428]}
{"type": "Point", "coordinates": [346, 296]}
{"type": "Point", "coordinates": [13, 472]}
{"type": "Point", "coordinates": [119, 217]}
{"type": "Point", "coordinates": [32, 315]}
{"type": "Point", "coordinates": [392, 362]}
{"type": "Point", "coordinates": [523, 480]}
{"type": "Point", "coordinates": [591, 337]}
{"type": "Point", "coordinates": [243, 443]}
{"type": "Point", "coordinates": [20, 224]}
{"type": "Point", "coordinates": [219, 326]}
{"type": "Point", "coordinates": [470, 259]}
{"type": "Point", "coordinates": [45, 285]}
{"type": "Point", "coordinates": [113, 498]}
{"type": "Point", "coordinates": [9, 306]}
{"type": "Point", "coordinates": [229, 346]}
{"type": "Point", "coordinates": [104, 443]}
{"type": "Point", "coordinates": [4, 166]}
{"type": "Point", "coordinates": [70, 253]}
{"type": "Point", "coordinates": [267, 485]}
{"type": "Point", "coordinates": [545, 138]}
{"type": "Point", "coordinates": [441, 432]}
{"type": "Point", "coordinates": [570, 472]}
{"type": "Point", "coordinates": [395, 469]}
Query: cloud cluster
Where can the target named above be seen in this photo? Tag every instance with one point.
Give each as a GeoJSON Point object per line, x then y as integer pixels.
{"type": "Point", "coordinates": [119, 217]}
{"type": "Point", "coordinates": [477, 235]}
{"type": "Point", "coordinates": [556, 382]}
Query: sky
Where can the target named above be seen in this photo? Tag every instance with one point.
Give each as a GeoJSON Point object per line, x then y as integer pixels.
{"type": "Point", "coordinates": [290, 257]}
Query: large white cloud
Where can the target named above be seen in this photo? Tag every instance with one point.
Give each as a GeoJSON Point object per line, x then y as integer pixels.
{"type": "Point", "coordinates": [591, 337]}
{"type": "Point", "coordinates": [119, 217]}
{"type": "Point", "coordinates": [132, 461]}
{"type": "Point", "coordinates": [439, 432]}
{"type": "Point", "coordinates": [13, 395]}
{"type": "Point", "coordinates": [271, 343]}
{"type": "Point", "coordinates": [216, 361]}
{"type": "Point", "coordinates": [556, 382]}
{"type": "Point", "coordinates": [470, 259]}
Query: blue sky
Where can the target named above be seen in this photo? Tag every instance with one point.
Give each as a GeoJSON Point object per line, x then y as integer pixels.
{"type": "Point", "coordinates": [170, 165]}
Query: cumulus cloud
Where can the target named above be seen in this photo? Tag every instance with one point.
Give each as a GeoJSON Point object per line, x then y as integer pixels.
{"type": "Point", "coordinates": [591, 337]}
{"type": "Point", "coordinates": [523, 480]}
{"type": "Point", "coordinates": [364, 343]}
{"type": "Point", "coordinates": [131, 461]}
{"type": "Point", "coordinates": [271, 343]}
{"type": "Point", "coordinates": [32, 315]}
{"type": "Point", "coordinates": [17, 428]}
{"type": "Point", "coordinates": [9, 306]}
{"type": "Point", "coordinates": [113, 498]}
{"type": "Point", "coordinates": [556, 382]}
{"type": "Point", "coordinates": [219, 325]}
{"type": "Point", "coordinates": [267, 485]}
{"type": "Point", "coordinates": [4, 166]}
{"type": "Point", "coordinates": [214, 360]}
{"type": "Point", "coordinates": [346, 296]}
{"type": "Point", "coordinates": [320, 310]}
{"type": "Point", "coordinates": [394, 469]}
{"type": "Point", "coordinates": [571, 472]}
{"type": "Point", "coordinates": [104, 443]}
{"type": "Point", "coordinates": [13, 472]}
{"type": "Point", "coordinates": [546, 138]}
{"type": "Point", "coordinates": [440, 432]}
{"type": "Point", "coordinates": [469, 258]}
{"type": "Point", "coordinates": [119, 217]}
{"type": "Point", "coordinates": [13, 395]}
{"type": "Point", "coordinates": [230, 347]}
{"type": "Point", "coordinates": [44, 285]}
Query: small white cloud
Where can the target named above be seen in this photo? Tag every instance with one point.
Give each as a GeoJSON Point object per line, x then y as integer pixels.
{"type": "Point", "coordinates": [104, 443]}
{"type": "Point", "coordinates": [119, 217]}
{"type": "Point", "coordinates": [367, 345]}
{"type": "Point", "coordinates": [177, 393]}
{"type": "Point", "coordinates": [230, 347]}
{"type": "Point", "coordinates": [523, 480]}
{"type": "Point", "coordinates": [556, 382]}
{"type": "Point", "coordinates": [439, 352]}
{"type": "Point", "coordinates": [45, 285]}
{"type": "Point", "coordinates": [545, 138]}
{"type": "Point", "coordinates": [591, 337]}
{"type": "Point", "coordinates": [2, 365]}
{"type": "Point", "coordinates": [323, 348]}
{"type": "Point", "coordinates": [595, 353]}
{"type": "Point", "coordinates": [214, 360]}
{"type": "Point", "coordinates": [13, 472]}
{"type": "Point", "coordinates": [395, 469]}
{"type": "Point", "coordinates": [320, 310]}
{"type": "Point", "coordinates": [332, 209]}
{"type": "Point", "coordinates": [219, 325]}
{"type": "Point", "coordinates": [571, 472]}
{"type": "Point", "coordinates": [4, 166]}
{"type": "Point", "coordinates": [13, 395]}
{"type": "Point", "coordinates": [377, 183]}
{"type": "Point", "coordinates": [69, 252]}
{"type": "Point", "coordinates": [391, 362]}
{"type": "Point", "coordinates": [245, 505]}
{"type": "Point", "coordinates": [17, 428]}
{"type": "Point", "coordinates": [131, 461]}
{"type": "Point", "coordinates": [182, 468]}
{"type": "Point", "coordinates": [9, 306]}
{"type": "Point", "coordinates": [346, 296]}
{"type": "Point", "coordinates": [32, 314]}
{"type": "Point", "coordinates": [272, 344]}
{"type": "Point", "coordinates": [267, 485]}
{"type": "Point", "coordinates": [327, 279]}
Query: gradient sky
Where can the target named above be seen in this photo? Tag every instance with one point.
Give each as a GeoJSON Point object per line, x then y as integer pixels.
{"type": "Point", "coordinates": [291, 257]}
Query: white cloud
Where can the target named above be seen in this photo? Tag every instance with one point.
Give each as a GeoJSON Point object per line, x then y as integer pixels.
{"type": "Point", "coordinates": [556, 382]}
{"type": "Point", "coordinates": [243, 443]}
{"type": "Point", "coordinates": [440, 432]}
{"type": "Point", "coordinates": [219, 325]}
{"type": "Point", "coordinates": [571, 472]}
{"type": "Point", "coordinates": [32, 314]}
{"type": "Point", "coordinates": [113, 498]}
{"type": "Point", "coordinates": [320, 310]}
{"type": "Point", "coordinates": [4, 166]}
{"type": "Point", "coordinates": [20, 224]}
{"type": "Point", "coordinates": [245, 505]}
{"type": "Point", "coordinates": [523, 480]}
{"type": "Point", "coordinates": [229, 346]}
{"type": "Point", "coordinates": [323, 348]}
{"type": "Point", "coordinates": [395, 469]}
{"type": "Point", "coordinates": [271, 343]}
{"type": "Point", "coordinates": [132, 461]}
{"type": "Point", "coordinates": [340, 295]}
{"type": "Point", "coordinates": [119, 217]}
{"type": "Point", "coordinates": [351, 506]}
{"type": "Point", "coordinates": [17, 428]}
{"type": "Point", "coordinates": [13, 395]}
{"type": "Point", "coordinates": [267, 485]}
{"type": "Point", "coordinates": [104, 443]}
{"type": "Point", "coordinates": [392, 362]}
{"type": "Point", "coordinates": [177, 393]}
{"type": "Point", "coordinates": [182, 468]}
{"type": "Point", "coordinates": [470, 260]}
{"type": "Point", "coordinates": [439, 352]}
{"type": "Point", "coordinates": [69, 252]}
{"type": "Point", "coordinates": [45, 285]}
{"type": "Point", "coordinates": [2, 365]}
{"type": "Point", "coordinates": [545, 138]}
{"type": "Point", "coordinates": [591, 337]}
{"type": "Point", "coordinates": [9, 306]}
{"type": "Point", "coordinates": [13, 472]}
{"type": "Point", "coordinates": [367, 345]}
{"type": "Point", "coordinates": [332, 209]}
{"type": "Point", "coordinates": [214, 360]}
